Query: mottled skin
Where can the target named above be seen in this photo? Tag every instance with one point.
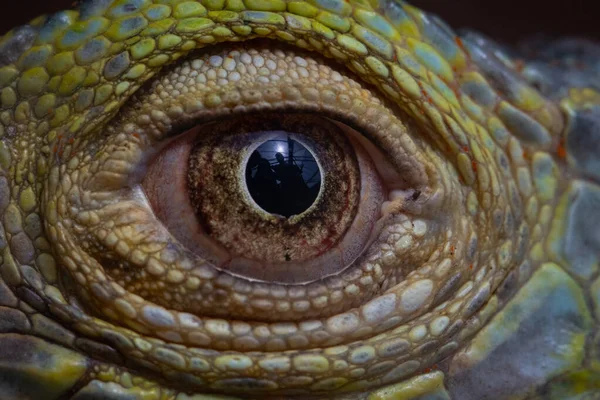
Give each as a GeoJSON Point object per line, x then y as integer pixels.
{"type": "Point", "coordinates": [482, 281]}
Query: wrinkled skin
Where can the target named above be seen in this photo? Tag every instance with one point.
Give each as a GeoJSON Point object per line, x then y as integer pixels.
{"type": "Point", "coordinates": [472, 272]}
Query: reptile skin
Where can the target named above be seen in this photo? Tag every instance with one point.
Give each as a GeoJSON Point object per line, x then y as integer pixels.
{"type": "Point", "coordinates": [481, 275]}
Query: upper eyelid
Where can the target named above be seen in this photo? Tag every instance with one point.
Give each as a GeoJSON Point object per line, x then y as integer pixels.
{"type": "Point", "coordinates": [93, 22]}
{"type": "Point", "coordinates": [356, 105]}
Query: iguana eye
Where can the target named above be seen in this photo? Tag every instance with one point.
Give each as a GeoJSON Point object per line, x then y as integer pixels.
{"type": "Point", "coordinates": [259, 211]}
{"type": "Point", "coordinates": [185, 222]}
{"type": "Point", "coordinates": [165, 246]}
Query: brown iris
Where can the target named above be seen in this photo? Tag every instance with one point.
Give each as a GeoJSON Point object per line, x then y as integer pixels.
{"type": "Point", "coordinates": [253, 235]}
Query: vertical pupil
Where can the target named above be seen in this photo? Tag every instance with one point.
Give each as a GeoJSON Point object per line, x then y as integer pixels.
{"type": "Point", "coordinates": [283, 176]}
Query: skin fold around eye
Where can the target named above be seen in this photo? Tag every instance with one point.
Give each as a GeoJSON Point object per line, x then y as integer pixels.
{"type": "Point", "coordinates": [152, 268]}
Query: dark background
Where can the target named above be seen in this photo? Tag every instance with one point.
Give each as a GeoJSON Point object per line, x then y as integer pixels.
{"type": "Point", "coordinates": [507, 20]}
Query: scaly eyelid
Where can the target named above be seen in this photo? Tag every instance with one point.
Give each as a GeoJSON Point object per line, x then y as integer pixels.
{"type": "Point", "coordinates": [186, 94]}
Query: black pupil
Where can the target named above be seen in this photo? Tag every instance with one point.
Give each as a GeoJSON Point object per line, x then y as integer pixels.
{"type": "Point", "coordinates": [283, 176]}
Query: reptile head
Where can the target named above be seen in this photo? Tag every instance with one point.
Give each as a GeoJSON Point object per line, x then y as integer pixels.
{"type": "Point", "coordinates": [163, 235]}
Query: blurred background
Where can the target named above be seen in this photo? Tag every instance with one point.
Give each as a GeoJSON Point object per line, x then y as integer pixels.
{"type": "Point", "coordinates": [507, 20]}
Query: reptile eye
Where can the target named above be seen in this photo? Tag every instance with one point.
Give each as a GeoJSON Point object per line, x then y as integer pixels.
{"type": "Point", "coordinates": [191, 226]}
{"type": "Point", "coordinates": [254, 201]}
{"type": "Point", "coordinates": [182, 218]}
{"type": "Point", "coordinates": [266, 207]}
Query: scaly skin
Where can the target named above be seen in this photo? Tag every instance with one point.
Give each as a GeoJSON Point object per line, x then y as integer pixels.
{"type": "Point", "coordinates": [481, 282]}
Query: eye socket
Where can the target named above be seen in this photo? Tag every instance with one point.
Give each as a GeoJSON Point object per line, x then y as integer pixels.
{"type": "Point", "coordinates": [169, 279]}
{"type": "Point", "coordinates": [141, 257]}
{"type": "Point", "coordinates": [225, 224]}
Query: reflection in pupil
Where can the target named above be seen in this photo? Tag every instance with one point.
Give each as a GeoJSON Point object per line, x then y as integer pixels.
{"type": "Point", "coordinates": [283, 177]}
